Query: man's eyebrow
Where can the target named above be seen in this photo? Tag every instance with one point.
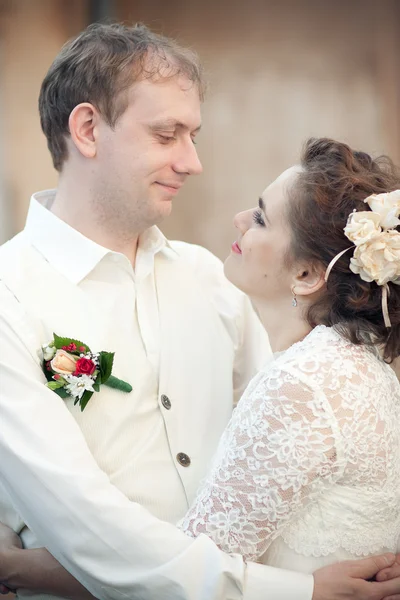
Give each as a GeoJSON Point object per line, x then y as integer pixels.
{"type": "Point", "coordinates": [171, 125]}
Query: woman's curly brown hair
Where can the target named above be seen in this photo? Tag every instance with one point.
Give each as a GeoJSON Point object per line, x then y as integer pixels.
{"type": "Point", "coordinates": [335, 180]}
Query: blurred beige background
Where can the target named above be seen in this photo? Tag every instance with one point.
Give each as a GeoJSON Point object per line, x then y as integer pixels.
{"type": "Point", "coordinates": [279, 72]}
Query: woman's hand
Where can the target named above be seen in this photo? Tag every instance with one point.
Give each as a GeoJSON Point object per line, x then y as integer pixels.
{"type": "Point", "coordinates": [389, 572]}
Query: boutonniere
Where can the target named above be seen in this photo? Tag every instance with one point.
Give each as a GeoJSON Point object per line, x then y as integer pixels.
{"type": "Point", "coordinates": [72, 369]}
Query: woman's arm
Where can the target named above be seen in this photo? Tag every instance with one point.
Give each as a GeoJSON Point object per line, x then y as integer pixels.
{"type": "Point", "coordinates": [278, 450]}
{"type": "Point", "coordinates": [36, 570]}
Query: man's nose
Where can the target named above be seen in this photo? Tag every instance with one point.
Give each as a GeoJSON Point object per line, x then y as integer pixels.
{"type": "Point", "coordinates": [188, 161]}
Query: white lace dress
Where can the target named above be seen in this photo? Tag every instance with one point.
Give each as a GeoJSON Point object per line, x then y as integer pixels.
{"type": "Point", "coordinates": [307, 472]}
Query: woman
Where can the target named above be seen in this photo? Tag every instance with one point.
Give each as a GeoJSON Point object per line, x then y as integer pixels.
{"type": "Point", "coordinates": [308, 471]}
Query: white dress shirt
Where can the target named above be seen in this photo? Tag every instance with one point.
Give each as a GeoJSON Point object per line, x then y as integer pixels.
{"type": "Point", "coordinates": [94, 494]}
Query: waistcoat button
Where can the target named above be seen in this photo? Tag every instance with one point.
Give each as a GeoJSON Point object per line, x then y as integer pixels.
{"type": "Point", "coordinates": [183, 459]}
{"type": "Point", "coordinates": [166, 402]}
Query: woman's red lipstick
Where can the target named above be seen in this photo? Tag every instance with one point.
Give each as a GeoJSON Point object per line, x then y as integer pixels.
{"type": "Point", "coordinates": [236, 248]}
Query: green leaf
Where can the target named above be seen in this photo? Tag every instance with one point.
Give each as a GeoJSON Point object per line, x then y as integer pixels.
{"type": "Point", "coordinates": [47, 374]}
{"type": "Point", "coordinates": [106, 361]}
{"type": "Point", "coordinates": [62, 393]}
{"type": "Point", "coordinates": [55, 385]}
{"type": "Point", "coordinates": [96, 387]}
{"type": "Point", "coordinates": [59, 342]}
{"type": "Point", "coordinates": [85, 399]}
{"type": "Point", "coordinates": [118, 384]}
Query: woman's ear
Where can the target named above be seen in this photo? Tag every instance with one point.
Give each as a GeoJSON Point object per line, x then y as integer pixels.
{"type": "Point", "coordinates": [82, 126]}
{"type": "Point", "coordinates": [308, 280]}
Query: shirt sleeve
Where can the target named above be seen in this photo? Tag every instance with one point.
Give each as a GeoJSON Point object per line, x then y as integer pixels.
{"type": "Point", "coordinates": [278, 453]}
{"type": "Point", "coordinates": [114, 547]}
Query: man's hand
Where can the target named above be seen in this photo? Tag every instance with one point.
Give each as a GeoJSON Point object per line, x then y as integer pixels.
{"type": "Point", "coordinates": [347, 580]}
{"type": "Point", "coordinates": [9, 541]}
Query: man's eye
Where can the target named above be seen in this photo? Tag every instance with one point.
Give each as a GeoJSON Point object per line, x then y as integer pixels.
{"type": "Point", "coordinates": [166, 139]}
{"type": "Point", "coordinates": [258, 218]}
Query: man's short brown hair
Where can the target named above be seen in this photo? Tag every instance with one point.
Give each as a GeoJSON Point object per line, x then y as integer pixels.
{"type": "Point", "coordinates": [97, 67]}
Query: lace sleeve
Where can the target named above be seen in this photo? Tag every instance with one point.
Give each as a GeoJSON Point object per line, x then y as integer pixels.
{"type": "Point", "coordinates": [276, 455]}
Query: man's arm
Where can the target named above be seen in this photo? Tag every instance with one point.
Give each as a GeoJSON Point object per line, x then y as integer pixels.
{"type": "Point", "coordinates": [38, 570]}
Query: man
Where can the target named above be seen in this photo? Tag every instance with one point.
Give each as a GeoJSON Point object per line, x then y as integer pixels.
{"type": "Point", "coordinates": [102, 488]}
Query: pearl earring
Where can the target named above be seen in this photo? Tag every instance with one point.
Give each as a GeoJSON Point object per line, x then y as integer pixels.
{"type": "Point", "coordinates": [294, 299]}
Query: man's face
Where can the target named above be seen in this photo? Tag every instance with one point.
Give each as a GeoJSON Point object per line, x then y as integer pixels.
{"type": "Point", "coordinates": [143, 162]}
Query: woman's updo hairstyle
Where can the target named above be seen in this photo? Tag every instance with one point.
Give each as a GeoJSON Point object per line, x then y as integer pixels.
{"type": "Point", "coordinates": [334, 180]}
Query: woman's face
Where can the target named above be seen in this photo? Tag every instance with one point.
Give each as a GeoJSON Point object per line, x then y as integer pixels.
{"type": "Point", "coordinates": [256, 263]}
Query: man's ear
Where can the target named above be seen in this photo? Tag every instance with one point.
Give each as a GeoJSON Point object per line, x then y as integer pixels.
{"type": "Point", "coordinates": [308, 280]}
{"type": "Point", "coordinates": [82, 126]}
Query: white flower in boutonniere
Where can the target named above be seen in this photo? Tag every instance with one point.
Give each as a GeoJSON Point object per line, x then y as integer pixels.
{"type": "Point", "coordinates": [48, 351]}
{"type": "Point", "coordinates": [77, 385]}
{"type": "Point", "coordinates": [72, 369]}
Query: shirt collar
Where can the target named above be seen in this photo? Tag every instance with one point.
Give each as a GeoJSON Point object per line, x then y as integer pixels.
{"type": "Point", "coordinates": [70, 252]}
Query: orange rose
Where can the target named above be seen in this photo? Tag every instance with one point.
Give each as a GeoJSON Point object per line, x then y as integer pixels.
{"type": "Point", "coordinates": [64, 363]}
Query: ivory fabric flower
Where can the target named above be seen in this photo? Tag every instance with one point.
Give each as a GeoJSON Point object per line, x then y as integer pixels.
{"type": "Point", "coordinates": [362, 226]}
{"type": "Point", "coordinates": [387, 205]}
{"type": "Point", "coordinates": [378, 259]}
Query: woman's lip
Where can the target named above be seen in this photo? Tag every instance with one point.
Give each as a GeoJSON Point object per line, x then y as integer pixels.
{"type": "Point", "coordinates": [236, 248]}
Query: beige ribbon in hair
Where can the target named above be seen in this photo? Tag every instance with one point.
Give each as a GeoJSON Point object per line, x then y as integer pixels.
{"type": "Point", "coordinates": [385, 287]}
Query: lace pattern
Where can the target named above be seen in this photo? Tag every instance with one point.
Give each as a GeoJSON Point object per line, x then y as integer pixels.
{"type": "Point", "coordinates": [312, 455]}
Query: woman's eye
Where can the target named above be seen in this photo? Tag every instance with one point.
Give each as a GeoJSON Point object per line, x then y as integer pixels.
{"type": "Point", "coordinates": [258, 218]}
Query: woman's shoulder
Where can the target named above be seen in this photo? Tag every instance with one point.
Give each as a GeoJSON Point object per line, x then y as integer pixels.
{"type": "Point", "coordinates": [325, 354]}
{"type": "Point", "coordinates": [328, 365]}
{"type": "Point", "coordinates": [323, 345]}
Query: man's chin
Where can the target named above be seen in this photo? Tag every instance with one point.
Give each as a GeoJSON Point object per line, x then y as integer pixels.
{"type": "Point", "coordinates": [164, 209]}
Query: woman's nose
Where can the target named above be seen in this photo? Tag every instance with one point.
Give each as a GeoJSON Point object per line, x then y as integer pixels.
{"type": "Point", "coordinates": [242, 220]}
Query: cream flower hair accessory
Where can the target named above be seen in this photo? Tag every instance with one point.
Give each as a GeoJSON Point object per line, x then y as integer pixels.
{"type": "Point", "coordinates": [377, 244]}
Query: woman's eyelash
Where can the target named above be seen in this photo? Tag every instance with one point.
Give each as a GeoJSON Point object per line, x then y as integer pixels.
{"type": "Point", "coordinates": [258, 218]}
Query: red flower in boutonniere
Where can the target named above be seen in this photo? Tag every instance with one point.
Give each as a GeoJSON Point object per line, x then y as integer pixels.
{"type": "Point", "coordinates": [71, 369]}
{"type": "Point", "coordinates": [85, 366]}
